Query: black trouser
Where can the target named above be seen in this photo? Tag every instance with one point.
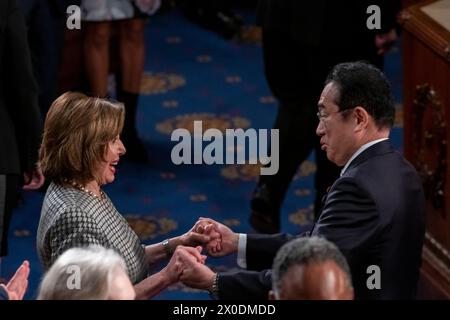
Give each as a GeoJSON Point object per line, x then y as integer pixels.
{"type": "Point", "coordinates": [296, 74]}
{"type": "Point", "coordinates": [8, 199]}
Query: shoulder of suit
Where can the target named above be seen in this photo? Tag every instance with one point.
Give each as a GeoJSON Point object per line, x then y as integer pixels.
{"type": "Point", "coordinates": [373, 162]}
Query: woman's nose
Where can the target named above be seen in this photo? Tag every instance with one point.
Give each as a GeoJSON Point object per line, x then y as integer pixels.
{"type": "Point", "coordinates": [122, 149]}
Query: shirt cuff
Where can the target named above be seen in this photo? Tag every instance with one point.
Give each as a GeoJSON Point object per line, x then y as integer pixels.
{"type": "Point", "coordinates": [242, 251]}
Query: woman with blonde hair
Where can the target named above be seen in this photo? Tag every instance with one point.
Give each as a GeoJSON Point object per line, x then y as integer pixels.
{"type": "Point", "coordinates": [80, 150]}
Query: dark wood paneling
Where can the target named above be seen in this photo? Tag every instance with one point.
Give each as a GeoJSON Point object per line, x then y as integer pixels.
{"type": "Point", "coordinates": [426, 134]}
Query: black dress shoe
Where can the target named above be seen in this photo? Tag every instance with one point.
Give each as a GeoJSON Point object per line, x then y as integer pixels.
{"type": "Point", "coordinates": [263, 223]}
{"type": "Point", "coordinates": [237, 20]}
{"type": "Point", "coordinates": [265, 216]}
{"type": "Point", "coordinates": [220, 22]}
{"type": "Point", "coordinates": [226, 25]}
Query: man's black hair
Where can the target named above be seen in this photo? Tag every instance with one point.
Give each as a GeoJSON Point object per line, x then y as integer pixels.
{"type": "Point", "coordinates": [362, 84]}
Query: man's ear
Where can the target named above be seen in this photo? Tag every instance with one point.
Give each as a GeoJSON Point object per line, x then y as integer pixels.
{"type": "Point", "coordinates": [271, 295]}
{"type": "Point", "coordinates": [362, 118]}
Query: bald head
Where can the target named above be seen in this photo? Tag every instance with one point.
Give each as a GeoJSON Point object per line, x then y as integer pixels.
{"type": "Point", "coordinates": [315, 281]}
{"type": "Point", "coordinates": [311, 269]}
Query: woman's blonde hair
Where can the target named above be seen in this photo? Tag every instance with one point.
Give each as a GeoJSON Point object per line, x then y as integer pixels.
{"type": "Point", "coordinates": [77, 131]}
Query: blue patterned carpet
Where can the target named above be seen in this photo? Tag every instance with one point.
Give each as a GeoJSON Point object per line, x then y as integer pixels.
{"type": "Point", "coordinates": [190, 74]}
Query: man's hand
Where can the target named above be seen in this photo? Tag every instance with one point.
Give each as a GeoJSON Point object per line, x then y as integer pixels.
{"type": "Point", "coordinates": [227, 242]}
{"type": "Point", "coordinates": [205, 227]}
{"type": "Point", "coordinates": [385, 41]}
{"type": "Point", "coordinates": [195, 274]}
{"type": "Point", "coordinates": [33, 180]}
{"type": "Point", "coordinates": [18, 284]}
{"type": "Point", "coordinates": [192, 238]}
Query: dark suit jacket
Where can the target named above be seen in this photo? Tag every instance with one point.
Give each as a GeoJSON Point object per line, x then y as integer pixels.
{"type": "Point", "coordinates": [20, 122]}
{"type": "Point", "coordinates": [374, 213]}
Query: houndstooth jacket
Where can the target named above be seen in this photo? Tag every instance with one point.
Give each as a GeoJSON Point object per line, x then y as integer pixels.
{"type": "Point", "coordinates": [73, 218]}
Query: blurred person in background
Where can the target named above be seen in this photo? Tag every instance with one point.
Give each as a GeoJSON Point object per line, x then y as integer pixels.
{"type": "Point", "coordinates": [301, 42]}
{"type": "Point", "coordinates": [99, 17]}
{"type": "Point", "coordinates": [20, 123]}
{"type": "Point", "coordinates": [46, 24]}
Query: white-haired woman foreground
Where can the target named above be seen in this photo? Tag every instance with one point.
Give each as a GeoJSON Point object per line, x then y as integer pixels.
{"type": "Point", "coordinates": [90, 273]}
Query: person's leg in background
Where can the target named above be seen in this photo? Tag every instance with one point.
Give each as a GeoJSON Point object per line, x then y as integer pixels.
{"type": "Point", "coordinates": [289, 71]}
{"type": "Point", "coordinates": [132, 59]}
{"type": "Point", "coordinates": [41, 40]}
{"type": "Point", "coordinates": [216, 15]}
{"type": "Point", "coordinates": [96, 56]}
{"type": "Point", "coordinates": [295, 144]}
{"type": "Point", "coordinates": [9, 184]}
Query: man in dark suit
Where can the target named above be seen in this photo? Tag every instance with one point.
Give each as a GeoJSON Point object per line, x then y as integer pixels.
{"type": "Point", "coordinates": [302, 41]}
{"type": "Point", "coordinates": [374, 212]}
{"type": "Point", "coordinates": [20, 124]}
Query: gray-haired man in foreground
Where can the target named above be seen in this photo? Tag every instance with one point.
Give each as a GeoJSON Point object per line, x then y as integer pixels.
{"type": "Point", "coordinates": [310, 269]}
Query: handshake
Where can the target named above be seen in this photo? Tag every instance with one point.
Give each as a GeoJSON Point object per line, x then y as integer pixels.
{"type": "Point", "coordinates": [187, 263]}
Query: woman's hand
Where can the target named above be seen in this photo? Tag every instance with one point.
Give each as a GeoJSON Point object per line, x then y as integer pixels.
{"type": "Point", "coordinates": [18, 284]}
{"type": "Point", "coordinates": [170, 274]}
{"type": "Point", "coordinates": [180, 259]}
{"type": "Point", "coordinates": [195, 275]}
{"type": "Point", "coordinates": [210, 234]}
{"type": "Point", "coordinates": [197, 235]}
{"type": "Point", "coordinates": [33, 180]}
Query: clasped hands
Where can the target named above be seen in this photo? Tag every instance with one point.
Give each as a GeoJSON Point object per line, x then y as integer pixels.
{"type": "Point", "coordinates": [188, 264]}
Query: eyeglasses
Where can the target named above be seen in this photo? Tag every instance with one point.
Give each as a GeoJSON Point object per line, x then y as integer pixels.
{"type": "Point", "coordinates": [324, 116]}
